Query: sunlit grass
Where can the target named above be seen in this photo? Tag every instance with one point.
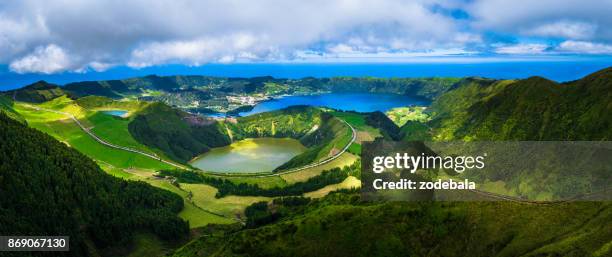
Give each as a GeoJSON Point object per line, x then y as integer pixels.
{"type": "Point", "coordinates": [348, 183]}
{"type": "Point", "coordinates": [345, 159]}
{"type": "Point", "coordinates": [229, 206]}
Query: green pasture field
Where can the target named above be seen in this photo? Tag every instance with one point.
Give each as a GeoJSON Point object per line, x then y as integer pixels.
{"type": "Point", "coordinates": [345, 159]}
{"type": "Point", "coordinates": [229, 206]}
{"type": "Point", "coordinates": [65, 130]}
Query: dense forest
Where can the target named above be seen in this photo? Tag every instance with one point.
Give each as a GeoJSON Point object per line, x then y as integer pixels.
{"type": "Point", "coordinates": [48, 188]}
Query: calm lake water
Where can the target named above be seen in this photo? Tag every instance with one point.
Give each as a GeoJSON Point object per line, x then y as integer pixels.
{"type": "Point", "coordinates": [361, 102]}
{"type": "Point", "coordinates": [118, 113]}
{"type": "Point", "coordinates": [249, 155]}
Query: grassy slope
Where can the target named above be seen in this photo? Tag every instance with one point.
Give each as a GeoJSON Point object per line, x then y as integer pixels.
{"type": "Point", "coordinates": [331, 136]}
{"type": "Point", "coordinates": [65, 130]}
{"type": "Point", "coordinates": [196, 215]}
{"type": "Point", "coordinates": [6, 106]}
{"type": "Point", "coordinates": [167, 129]}
{"type": "Point", "coordinates": [401, 115]}
{"type": "Point", "coordinates": [296, 122]}
{"type": "Point", "coordinates": [123, 164]}
{"type": "Point", "coordinates": [229, 206]}
{"type": "Point", "coordinates": [336, 227]}
{"type": "Point", "coordinates": [114, 129]}
{"type": "Point", "coordinates": [38, 92]}
{"type": "Point", "coordinates": [345, 159]}
{"type": "Point", "coordinates": [349, 183]}
{"type": "Point", "coordinates": [364, 132]}
{"type": "Point", "coordinates": [530, 109]}
{"type": "Point", "coordinates": [539, 109]}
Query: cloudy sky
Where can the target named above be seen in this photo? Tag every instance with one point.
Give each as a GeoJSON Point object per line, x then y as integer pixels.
{"type": "Point", "coordinates": [58, 36]}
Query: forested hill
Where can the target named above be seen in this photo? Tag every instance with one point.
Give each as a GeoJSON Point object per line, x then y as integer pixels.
{"type": "Point", "coordinates": [180, 135]}
{"type": "Point", "coordinates": [206, 87]}
{"type": "Point", "coordinates": [423, 87]}
{"type": "Point", "coordinates": [528, 109]}
{"type": "Point", "coordinates": [48, 188]}
{"type": "Point", "coordinates": [341, 224]}
{"type": "Point", "coordinates": [38, 92]}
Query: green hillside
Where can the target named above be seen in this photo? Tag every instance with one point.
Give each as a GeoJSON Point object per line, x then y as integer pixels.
{"type": "Point", "coordinates": [66, 193]}
{"type": "Point", "coordinates": [179, 135]}
{"type": "Point", "coordinates": [38, 92]}
{"type": "Point", "coordinates": [473, 109]}
{"type": "Point", "coordinates": [429, 88]}
{"type": "Point", "coordinates": [110, 128]}
{"type": "Point", "coordinates": [322, 133]}
{"type": "Point", "coordinates": [529, 109]}
{"type": "Point", "coordinates": [423, 87]}
{"type": "Point", "coordinates": [331, 136]}
{"type": "Point", "coordinates": [6, 107]}
{"type": "Point", "coordinates": [183, 136]}
{"type": "Point", "coordinates": [341, 225]}
{"type": "Point", "coordinates": [294, 122]}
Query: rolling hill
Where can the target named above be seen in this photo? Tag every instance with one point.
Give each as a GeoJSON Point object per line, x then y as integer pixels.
{"type": "Point", "coordinates": [178, 134]}
{"type": "Point", "coordinates": [38, 92]}
{"type": "Point", "coordinates": [341, 225]}
{"type": "Point", "coordinates": [528, 109]}
{"type": "Point", "coordinates": [183, 136]}
{"type": "Point", "coordinates": [473, 109]}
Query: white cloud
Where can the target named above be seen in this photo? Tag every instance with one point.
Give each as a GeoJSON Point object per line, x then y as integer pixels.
{"type": "Point", "coordinates": [521, 49]}
{"type": "Point", "coordinates": [100, 34]}
{"type": "Point", "coordinates": [564, 29]}
{"type": "Point", "coordinates": [143, 33]}
{"type": "Point", "coordinates": [49, 59]}
{"type": "Point", "coordinates": [196, 52]}
{"type": "Point", "coordinates": [584, 47]}
{"type": "Point", "coordinates": [571, 19]}
{"type": "Point", "coordinates": [344, 53]}
{"type": "Point", "coordinates": [100, 66]}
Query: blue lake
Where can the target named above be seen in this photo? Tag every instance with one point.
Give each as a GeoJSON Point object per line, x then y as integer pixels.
{"type": "Point", "coordinates": [118, 113]}
{"type": "Point", "coordinates": [361, 102]}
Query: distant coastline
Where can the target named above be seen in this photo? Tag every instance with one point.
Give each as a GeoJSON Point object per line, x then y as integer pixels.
{"type": "Point", "coordinates": [559, 71]}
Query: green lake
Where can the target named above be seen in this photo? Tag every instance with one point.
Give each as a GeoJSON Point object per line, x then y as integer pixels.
{"type": "Point", "coordinates": [249, 155]}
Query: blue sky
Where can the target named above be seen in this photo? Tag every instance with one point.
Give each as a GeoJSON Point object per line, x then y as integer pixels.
{"type": "Point", "coordinates": [72, 38]}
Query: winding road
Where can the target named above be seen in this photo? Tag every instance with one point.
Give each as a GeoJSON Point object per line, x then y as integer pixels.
{"type": "Point", "coordinates": [154, 156]}
{"type": "Point", "coordinates": [308, 166]}
{"type": "Point", "coordinates": [102, 141]}
{"type": "Point", "coordinates": [354, 136]}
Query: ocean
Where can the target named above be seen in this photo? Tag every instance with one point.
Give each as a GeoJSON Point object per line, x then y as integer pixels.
{"type": "Point", "coordinates": [557, 70]}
